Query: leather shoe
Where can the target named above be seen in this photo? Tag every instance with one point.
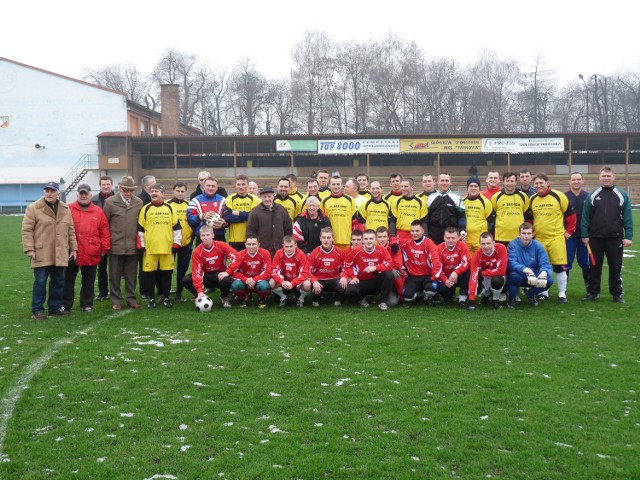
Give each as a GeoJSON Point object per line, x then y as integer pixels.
{"type": "Point", "coordinates": [618, 299]}
{"type": "Point", "coordinates": [591, 297]}
{"type": "Point", "coordinates": [117, 306]}
{"type": "Point", "coordinates": [134, 306]}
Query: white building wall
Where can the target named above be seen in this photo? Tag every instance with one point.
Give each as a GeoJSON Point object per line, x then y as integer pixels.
{"type": "Point", "coordinates": [61, 115]}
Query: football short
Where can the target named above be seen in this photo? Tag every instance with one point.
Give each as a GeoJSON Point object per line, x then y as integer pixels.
{"type": "Point", "coordinates": [556, 249]}
{"type": "Point", "coordinates": [152, 262]}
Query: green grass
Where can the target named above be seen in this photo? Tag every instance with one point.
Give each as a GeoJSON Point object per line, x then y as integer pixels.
{"type": "Point", "coordinates": [319, 393]}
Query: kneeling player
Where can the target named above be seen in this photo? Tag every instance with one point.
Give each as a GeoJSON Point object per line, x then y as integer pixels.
{"type": "Point", "coordinates": [529, 267]}
{"type": "Point", "coordinates": [455, 257]}
{"type": "Point", "coordinates": [209, 267]}
{"type": "Point", "coordinates": [251, 272]}
{"type": "Point", "coordinates": [489, 267]}
{"type": "Point", "coordinates": [289, 270]}
{"type": "Point", "coordinates": [399, 275]}
{"type": "Point", "coordinates": [325, 266]}
{"type": "Point", "coordinates": [368, 271]}
{"type": "Point", "coordinates": [422, 262]}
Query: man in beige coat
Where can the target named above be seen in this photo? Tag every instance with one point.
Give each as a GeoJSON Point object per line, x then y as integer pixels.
{"type": "Point", "coordinates": [49, 240]}
{"type": "Point", "coordinates": [122, 212]}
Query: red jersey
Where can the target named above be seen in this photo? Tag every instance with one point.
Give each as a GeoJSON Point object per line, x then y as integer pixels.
{"type": "Point", "coordinates": [494, 265]}
{"type": "Point", "coordinates": [207, 260]}
{"type": "Point", "coordinates": [421, 258]}
{"type": "Point", "coordinates": [294, 269]}
{"type": "Point", "coordinates": [247, 266]}
{"type": "Point", "coordinates": [359, 259]}
{"type": "Point", "coordinates": [396, 258]}
{"type": "Point", "coordinates": [325, 265]}
{"type": "Point", "coordinates": [490, 192]}
{"type": "Point", "coordinates": [456, 260]}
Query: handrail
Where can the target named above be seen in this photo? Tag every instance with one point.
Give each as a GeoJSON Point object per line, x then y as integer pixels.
{"type": "Point", "coordinates": [88, 161]}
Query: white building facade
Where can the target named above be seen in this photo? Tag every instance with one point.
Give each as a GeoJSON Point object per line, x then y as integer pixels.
{"type": "Point", "coordinates": [48, 126]}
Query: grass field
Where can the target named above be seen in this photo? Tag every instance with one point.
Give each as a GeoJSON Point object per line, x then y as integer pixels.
{"type": "Point", "coordinates": [547, 393]}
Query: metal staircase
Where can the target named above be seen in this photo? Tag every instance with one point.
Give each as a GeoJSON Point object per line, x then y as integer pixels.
{"type": "Point", "coordinates": [74, 176]}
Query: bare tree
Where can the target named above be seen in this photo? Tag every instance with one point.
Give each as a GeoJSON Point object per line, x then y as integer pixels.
{"type": "Point", "coordinates": [249, 92]}
{"type": "Point", "coordinates": [183, 69]}
{"type": "Point", "coordinates": [310, 57]}
{"type": "Point", "coordinates": [124, 78]}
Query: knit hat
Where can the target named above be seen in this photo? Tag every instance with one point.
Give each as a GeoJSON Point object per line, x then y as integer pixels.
{"type": "Point", "coordinates": [475, 180]}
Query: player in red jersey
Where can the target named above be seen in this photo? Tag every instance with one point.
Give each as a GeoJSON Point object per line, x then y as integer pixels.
{"type": "Point", "coordinates": [325, 266]}
{"type": "Point", "coordinates": [289, 270]}
{"type": "Point", "coordinates": [422, 262]}
{"type": "Point", "coordinates": [251, 272]}
{"type": "Point", "coordinates": [455, 258]}
{"type": "Point", "coordinates": [209, 267]}
{"type": "Point", "coordinates": [368, 270]}
{"type": "Point", "coordinates": [489, 267]}
{"type": "Point", "coordinates": [399, 275]}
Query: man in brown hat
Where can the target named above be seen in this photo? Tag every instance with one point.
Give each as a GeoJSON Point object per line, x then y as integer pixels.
{"type": "Point", "coordinates": [49, 240]}
{"type": "Point", "coordinates": [122, 212]}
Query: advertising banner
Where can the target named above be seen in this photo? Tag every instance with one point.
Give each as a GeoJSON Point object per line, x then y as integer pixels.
{"type": "Point", "coordinates": [337, 147]}
{"type": "Point", "coordinates": [441, 145]}
{"type": "Point", "coordinates": [522, 145]}
{"type": "Point", "coordinates": [296, 146]}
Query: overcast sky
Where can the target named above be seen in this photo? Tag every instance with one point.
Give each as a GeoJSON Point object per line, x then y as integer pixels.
{"type": "Point", "coordinates": [572, 37]}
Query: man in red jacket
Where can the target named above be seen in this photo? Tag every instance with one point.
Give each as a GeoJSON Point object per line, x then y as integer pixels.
{"type": "Point", "coordinates": [289, 271]}
{"type": "Point", "coordinates": [368, 272]}
{"type": "Point", "coordinates": [489, 267]}
{"type": "Point", "coordinates": [209, 267]}
{"type": "Point", "coordinates": [94, 242]}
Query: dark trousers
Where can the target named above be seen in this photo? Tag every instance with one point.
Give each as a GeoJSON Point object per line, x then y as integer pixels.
{"type": "Point", "coordinates": [123, 266]}
{"type": "Point", "coordinates": [577, 249]}
{"type": "Point", "coordinates": [237, 246]}
{"type": "Point", "coordinates": [436, 233]}
{"type": "Point", "coordinates": [417, 284]}
{"type": "Point", "coordinates": [381, 284]}
{"type": "Point", "coordinates": [210, 280]}
{"type": "Point", "coordinates": [159, 278]}
{"type": "Point", "coordinates": [103, 277]}
{"type": "Point", "coordinates": [330, 286]}
{"type": "Point", "coordinates": [183, 258]}
{"type": "Point", "coordinates": [611, 248]}
{"type": "Point", "coordinates": [88, 280]}
{"type": "Point", "coordinates": [448, 293]}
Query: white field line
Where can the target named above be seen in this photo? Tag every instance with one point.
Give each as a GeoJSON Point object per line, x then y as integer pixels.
{"type": "Point", "coordinates": [24, 377]}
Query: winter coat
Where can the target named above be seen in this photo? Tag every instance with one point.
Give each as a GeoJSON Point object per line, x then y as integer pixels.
{"type": "Point", "coordinates": [92, 234]}
{"type": "Point", "coordinates": [51, 236]}
{"type": "Point", "coordinates": [123, 224]}
{"type": "Point", "coordinates": [269, 226]}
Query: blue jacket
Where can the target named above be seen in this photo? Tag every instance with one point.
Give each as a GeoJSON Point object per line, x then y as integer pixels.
{"type": "Point", "coordinates": [532, 256]}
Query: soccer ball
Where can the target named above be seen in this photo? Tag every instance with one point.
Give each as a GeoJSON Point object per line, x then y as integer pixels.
{"type": "Point", "coordinates": [204, 304]}
{"type": "Point", "coordinates": [215, 218]}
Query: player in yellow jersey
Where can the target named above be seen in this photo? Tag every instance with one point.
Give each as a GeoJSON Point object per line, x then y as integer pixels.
{"type": "Point", "coordinates": [290, 204]}
{"type": "Point", "coordinates": [183, 256]}
{"type": "Point", "coordinates": [341, 211]}
{"type": "Point", "coordinates": [293, 188]}
{"type": "Point", "coordinates": [555, 222]}
{"type": "Point", "coordinates": [510, 207]}
{"type": "Point", "coordinates": [236, 212]}
{"type": "Point", "coordinates": [374, 213]}
{"type": "Point", "coordinates": [407, 209]}
{"type": "Point", "coordinates": [395, 180]}
{"type": "Point", "coordinates": [478, 210]}
{"type": "Point", "coordinates": [159, 235]}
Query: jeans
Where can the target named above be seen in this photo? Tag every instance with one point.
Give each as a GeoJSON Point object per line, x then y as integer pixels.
{"type": "Point", "coordinates": [55, 275]}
